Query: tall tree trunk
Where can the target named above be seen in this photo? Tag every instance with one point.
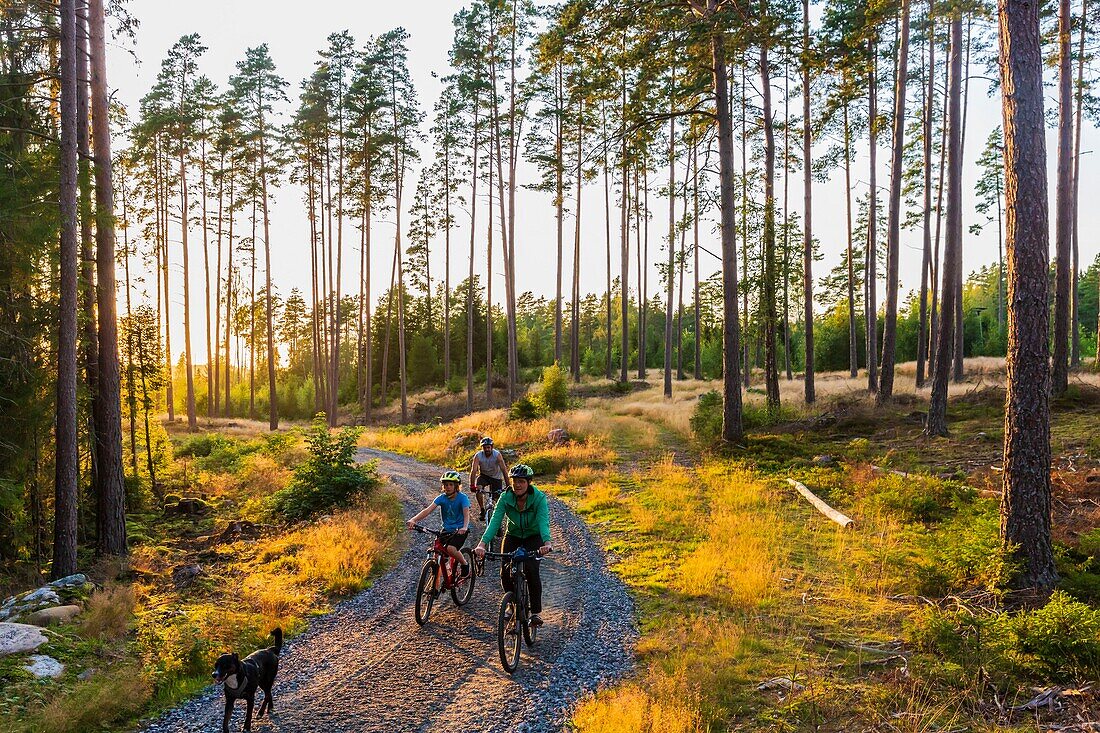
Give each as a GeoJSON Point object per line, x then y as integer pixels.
{"type": "Point", "coordinates": [185, 225]}
{"type": "Point", "coordinates": [489, 294]}
{"type": "Point", "coordinates": [272, 392]}
{"type": "Point", "coordinates": [732, 426]}
{"type": "Point", "coordinates": [607, 233]}
{"type": "Point", "coordinates": [1025, 503]}
{"type": "Point", "coordinates": [936, 424]}
{"type": "Point", "coordinates": [771, 370]}
{"type": "Point", "coordinates": [786, 271]}
{"type": "Point", "coordinates": [510, 257]}
{"type": "Point", "coordinates": [559, 203]}
{"type": "Point", "coordinates": [1075, 349]}
{"type": "Point", "coordinates": [252, 315]}
{"type": "Point", "coordinates": [926, 258]}
{"type": "Point", "coordinates": [229, 292]}
{"type": "Point", "coordinates": [893, 256]}
{"type": "Point", "coordinates": [66, 461]}
{"type": "Point", "coordinates": [807, 205]}
{"type": "Point", "coordinates": [215, 385]}
{"type": "Point", "coordinates": [206, 269]}
{"type": "Point", "coordinates": [470, 281]}
{"type": "Point", "coordinates": [1063, 223]}
{"type": "Point", "coordinates": [87, 248]}
{"type": "Point", "coordinates": [111, 496]}
{"type": "Point", "coordinates": [447, 261]}
{"type": "Point", "coordinates": [871, 255]}
{"type": "Point", "coordinates": [745, 223]}
{"type": "Point", "coordinates": [575, 331]}
{"type": "Point", "coordinates": [671, 237]}
{"type": "Point", "coordinates": [131, 385]}
{"type": "Point", "coordinates": [853, 346]}
{"type": "Point", "coordinates": [937, 270]}
{"type": "Point", "coordinates": [681, 261]}
{"type": "Point", "coordinates": [698, 372]}
{"type": "Point", "coordinates": [624, 248]}
{"type": "Point", "coordinates": [960, 331]}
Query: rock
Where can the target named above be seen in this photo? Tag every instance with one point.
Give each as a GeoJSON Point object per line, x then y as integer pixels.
{"type": "Point", "coordinates": [557, 436]}
{"type": "Point", "coordinates": [87, 674]}
{"type": "Point", "coordinates": [189, 506]}
{"type": "Point", "coordinates": [824, 460]}
{"type": "Point", "coordinates": [184, 575]}
{"type": "Point", "coordinates": [16, 606]}
{"type": "Point", "coordinates": [239, 529]}
{"type": "Point", "coordinates": [44, 594]}
{"type": "Point", "coordinates": [510, 455]}
{"type": "Point", "coordinates": [19, 638]}
{"type": "Point", "coordinates": [70, 581]}
{"type": "Point", "coordinates": [43, 666]}
{"type": "Point", "coordinates": [52, 616]}
{"type": "Point", "coordinates": [464, 440]}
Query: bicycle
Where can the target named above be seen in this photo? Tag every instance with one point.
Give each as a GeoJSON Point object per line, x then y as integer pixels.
{"type": "Point", "coordinates": [437, 576]}
{"type": "Point", "coordinates": [514, 617]}
{"type": "Point", "coordinates": [490, 506]}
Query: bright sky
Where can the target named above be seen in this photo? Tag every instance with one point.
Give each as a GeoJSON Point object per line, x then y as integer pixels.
{"type": "Point", "coordinates": [295, 32]}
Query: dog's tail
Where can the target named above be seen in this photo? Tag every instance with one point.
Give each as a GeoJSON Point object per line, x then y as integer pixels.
{"type": "Point", "coordinates": [278, 634]}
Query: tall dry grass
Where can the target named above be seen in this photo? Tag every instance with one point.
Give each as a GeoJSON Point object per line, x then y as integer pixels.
{"type": "Point", "coordinates": [660, 704]}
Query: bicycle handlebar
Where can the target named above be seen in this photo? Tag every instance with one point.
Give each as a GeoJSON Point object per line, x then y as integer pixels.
{"type": "Point", "coordinates": [518, 554]}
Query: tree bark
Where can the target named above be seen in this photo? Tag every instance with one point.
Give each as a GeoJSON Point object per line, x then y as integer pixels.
{"type": "Point", "coordinates": [871, 255]}
{"type": "Point", "coordinates": [1075, 348]}
{"type": "Point", "coordinates": [66, 457]}
{"type": "Point", "coordinates": [272, 393]}
{"type": "Point", "coordinates": [807, 204]}
{"type": "Point", "coordinates": [771, 369]}
{"type": "Point", "coordinates": [111, 495]}
{"type": "Point", "coordinates": [1063, 223]}
{"type": "Point", "coordinates": [575, 333]}
{"type": "Point", "coordinates": [853, 346]}
{"type": "Point", "coordinates": [926, 259]}
{"type": "Point", "coordinates": [671, 238]}
{"type": "Point", "coordinates": [936, 424]}
{"type": "Point", "coordinates": [698, 371]}
{"type": "Point", "coordinates": [732, 426]}
{"type": "Point", "coordinates": [890, 330]}
{"type": "Point", "coordinates": [1025, 503]}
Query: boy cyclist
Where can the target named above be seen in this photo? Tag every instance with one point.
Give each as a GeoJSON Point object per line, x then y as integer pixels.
{"type": "Point", "coordinates": [454, 509]}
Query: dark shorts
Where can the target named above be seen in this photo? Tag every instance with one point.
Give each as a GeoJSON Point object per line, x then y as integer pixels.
{"type": "Point", "coordinates": [495, 485]}
{"type": "Point", "coordinates": [454, 539]}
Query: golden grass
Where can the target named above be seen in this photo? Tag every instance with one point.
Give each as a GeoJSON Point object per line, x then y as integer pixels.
{"type": "Point", "coordinates": [108, 614]}
{"type": "Point", "coordinates": [581, 476]}
{"type": "Point", "coordinates": [664, 704]}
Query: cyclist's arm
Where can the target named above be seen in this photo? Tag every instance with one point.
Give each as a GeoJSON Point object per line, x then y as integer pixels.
{"type": "Point", "coordinates": [473, 472]}
{"type": "Point", "coordinates": [503, 466]}
{"type": "Point", "coordinates": [423, 513]}
{"type": "Point", "coordinates": [465, 515]}
{"type": "Point", "coordinates": [494, 523]}
{"type": "Point", "coordinates": [542, 520]}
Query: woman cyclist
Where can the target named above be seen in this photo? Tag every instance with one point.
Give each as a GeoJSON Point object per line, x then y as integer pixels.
{"type": "Point", "coordinates": [454, 508]}
{"type": "Point", "coordinates": [528, 527]}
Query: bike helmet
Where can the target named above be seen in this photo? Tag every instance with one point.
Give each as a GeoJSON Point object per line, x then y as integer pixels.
{"type": "Point", "coordinates": [486, 441]}
{"type": "Point", "coordinates": [521, 470]}
{"type": "Point", "coordinates": [452, 477]}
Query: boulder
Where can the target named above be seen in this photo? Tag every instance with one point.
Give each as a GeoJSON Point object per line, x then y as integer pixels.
{"type": "Point", "coordinates": [188, 506]}
{"type": "Point", "coordinates": [557, 436]}
{"type": "Point", "coordinates": [19, 638]}
{"type": "Point", "coordinates": [184, 575]}
{"type": "Point", "coordinates": [52, 616]}
{"type": "Point", "coordinates": [78, 580]}
{"type": "Point", "coordinates": [42, 666]}
{"type": "Point", "coordinates": [29, 602]}
{"type": "Point", "coordinates": [824, 460]}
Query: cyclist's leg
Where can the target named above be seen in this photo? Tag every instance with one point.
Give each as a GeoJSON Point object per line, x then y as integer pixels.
{"type": "Point", "coordinates": [534, 581]}
{"type": "Point", "coordinates": [454, 542]}
{"type": "Point", "coordinates": [478, 495]}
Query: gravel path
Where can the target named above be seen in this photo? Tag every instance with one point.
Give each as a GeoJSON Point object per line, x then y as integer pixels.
{"type": "Point", "coordinates": [367, 666]}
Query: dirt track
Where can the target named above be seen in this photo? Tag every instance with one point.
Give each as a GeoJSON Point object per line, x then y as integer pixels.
{"type": "Point", "coordinates": [367, 666]}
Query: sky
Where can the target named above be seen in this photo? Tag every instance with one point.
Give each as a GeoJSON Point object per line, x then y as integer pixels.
{"type": "Point", "coordinates": [295, 32]}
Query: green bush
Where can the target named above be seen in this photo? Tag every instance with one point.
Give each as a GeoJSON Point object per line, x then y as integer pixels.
{"type": "Point", "coordinates": [328, 478]}
{"type": "Point", "coordinates": [523, 409]}
{"type": "Point", "coordinates": [1059, 642]}
{"type": "Point", "coordinates": [916, 498]}
{"type": "Point", "coordinates": [706, 418]}
{"type": "Point", "coordinates": [201, 446]}
{"type": "Point", "coordinates": [553, 393]}
{"type": "Point", "coordinates": [964, 553]}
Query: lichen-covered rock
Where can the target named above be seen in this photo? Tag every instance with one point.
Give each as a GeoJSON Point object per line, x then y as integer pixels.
{"type": "Point", "coordinates": [43, 666]}
{"type": "Point", "coordinates": [19, 638]}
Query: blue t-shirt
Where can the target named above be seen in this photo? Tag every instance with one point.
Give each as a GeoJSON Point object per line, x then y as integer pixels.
{"type": "Point", "coordinates": [451, 509]}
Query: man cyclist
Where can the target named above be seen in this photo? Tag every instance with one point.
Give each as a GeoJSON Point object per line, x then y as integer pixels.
{"type": "Point", "coordinates": [528, 527]}
{"type": "Point", "coordinates": [454, 509]}
{"type": "Point", "coordinates": [488, 469]}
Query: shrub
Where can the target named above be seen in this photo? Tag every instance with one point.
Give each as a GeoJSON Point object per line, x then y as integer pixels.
{"type": "Point", "coordinates": [963, 554]}
{"type": "Point", "coordinates": [328, 478]}
{"type": "Point", "coordinates": [108, 614]}
{"type": "Point", "coordinates": [915, 498]}
{"type": "Point", "coordinates": [523, 409]}
{"type": "Point", "coordinates": [553, 393]}
{"type": "Point", "coordinates": [706, 419]}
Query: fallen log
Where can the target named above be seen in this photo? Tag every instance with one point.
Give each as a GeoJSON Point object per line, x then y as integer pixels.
{"type": "Point", "coordinates": [821, 506]}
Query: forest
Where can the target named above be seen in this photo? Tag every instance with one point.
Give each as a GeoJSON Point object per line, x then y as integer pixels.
{"type": "Point", "coordinates": [158, 381]}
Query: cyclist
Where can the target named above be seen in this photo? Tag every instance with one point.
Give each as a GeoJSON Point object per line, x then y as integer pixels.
{"type": "Point", "coordinates": [528, 527]}
{"type": "Point", "coordinates": [487, 469]}
{"type": "Point", "coordinates": [454, 508]}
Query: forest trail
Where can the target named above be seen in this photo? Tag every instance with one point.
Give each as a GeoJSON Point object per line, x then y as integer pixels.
{"type": "Point", "coordinates": [367, 666]}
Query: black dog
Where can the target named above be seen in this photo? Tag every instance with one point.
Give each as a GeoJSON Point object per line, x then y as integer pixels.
{"type": "Point", "coordinates": [241, 678]}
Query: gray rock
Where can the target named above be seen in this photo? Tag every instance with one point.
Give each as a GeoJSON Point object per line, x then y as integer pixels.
{"type": "Point", "coordinates": [70, 581]}
{"type": "Point", "coordinates": [43, 666]}
{"type": "Point", "coordinates": [557, 436]}
{"type": "Point", "coordinates": [19, 638]}
{"type": "Point", "coordinates": [52, 616]}
{"type": "Point", "coordinates": [44, 595]}
{"type": "Point", "coordinates": [184, 575]}
{"type": "Point", "coordinates": [824, 461]}
{"type": "Point", "coordinates": [87, 674]}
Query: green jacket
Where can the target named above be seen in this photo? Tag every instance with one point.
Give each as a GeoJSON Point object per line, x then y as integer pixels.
{"type": "Point", "coordinates": [533, 520]}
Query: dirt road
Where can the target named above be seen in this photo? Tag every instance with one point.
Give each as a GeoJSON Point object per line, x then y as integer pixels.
{"type": "Point", "coordinates": [367, 666]}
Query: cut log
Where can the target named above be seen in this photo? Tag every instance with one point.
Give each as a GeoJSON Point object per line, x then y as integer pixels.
{"type": "Point", "coordinates": [821, 506]}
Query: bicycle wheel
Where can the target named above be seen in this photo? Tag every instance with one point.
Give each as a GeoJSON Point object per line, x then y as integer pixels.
{"type": "Point", "coordinates": [463, 590]}
{"type": "Point", "coordinates": [508, 636]}
{"type": "Point", "coordinates": [425, 593]}
{"type": "Point", "coordinates": [524, 604]}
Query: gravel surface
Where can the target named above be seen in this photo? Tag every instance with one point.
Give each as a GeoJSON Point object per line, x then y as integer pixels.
{"type": "Point", "coordinates": [367, 666]}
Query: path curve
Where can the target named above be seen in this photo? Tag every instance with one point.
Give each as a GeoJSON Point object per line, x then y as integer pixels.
{"type": "Point", "coordinates": [367, 666]}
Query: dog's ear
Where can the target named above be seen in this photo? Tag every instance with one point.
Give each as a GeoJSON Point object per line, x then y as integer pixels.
{"type": "Point", "coordinates": [236, 660]}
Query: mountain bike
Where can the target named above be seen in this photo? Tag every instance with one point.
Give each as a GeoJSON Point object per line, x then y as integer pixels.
{"type": "Point", "coordinates": [514, 617]}
{"type": "Point", "coordinates": [442, 572]}
{"type": "Point", "coordinates": [490, 506]}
